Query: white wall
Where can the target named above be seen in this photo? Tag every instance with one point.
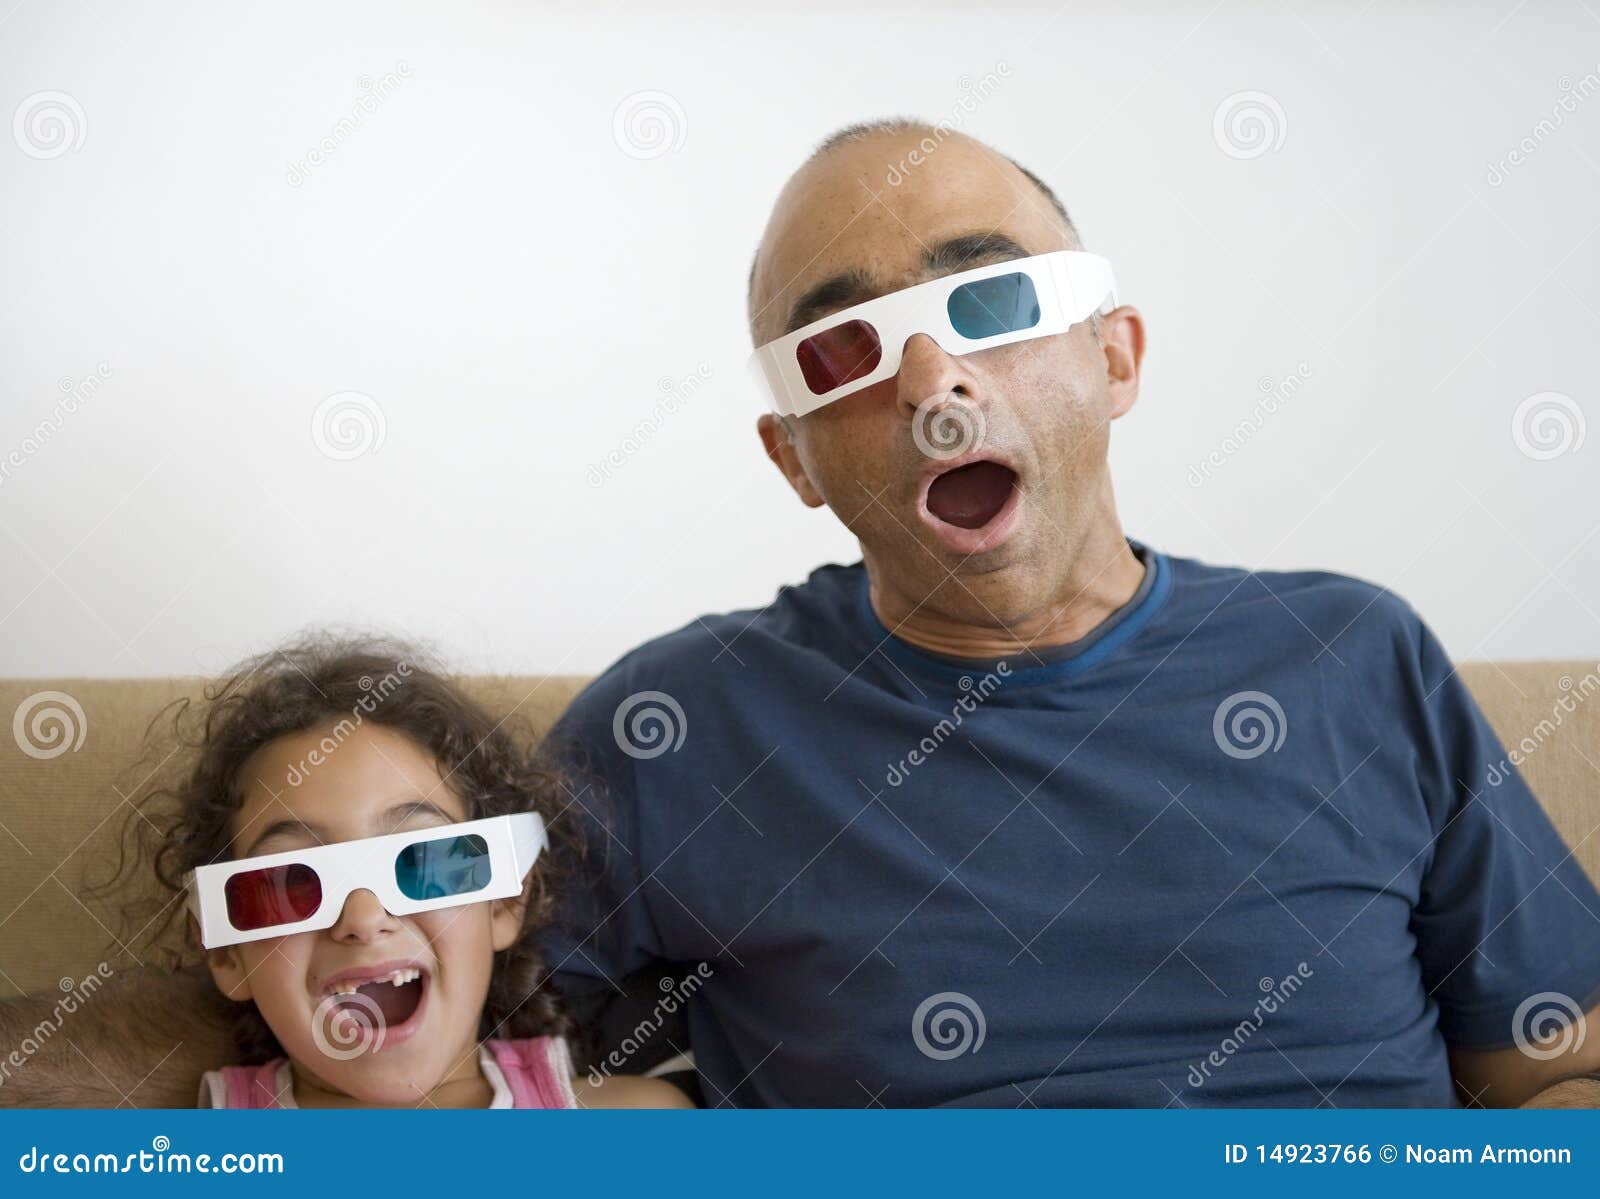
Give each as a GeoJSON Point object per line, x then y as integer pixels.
{"type": "Point", "coordinates": [482, 259]}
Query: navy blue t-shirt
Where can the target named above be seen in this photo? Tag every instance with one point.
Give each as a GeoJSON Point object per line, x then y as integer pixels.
{"type": "Point", "coordinates": [1239, 846]}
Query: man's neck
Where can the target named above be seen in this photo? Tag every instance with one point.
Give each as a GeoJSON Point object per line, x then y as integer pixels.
{"type": "Point", "coordinates": [1102, 580]}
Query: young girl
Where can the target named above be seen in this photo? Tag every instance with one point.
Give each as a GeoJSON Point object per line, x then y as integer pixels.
{"type": "Point", "coordinates": [321, 850]}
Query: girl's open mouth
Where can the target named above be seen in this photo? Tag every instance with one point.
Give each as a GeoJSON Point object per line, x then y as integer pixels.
{"type": "Point", "coordinates": [383, 1010]}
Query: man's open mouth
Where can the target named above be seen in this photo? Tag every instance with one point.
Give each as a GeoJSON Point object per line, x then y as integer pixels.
{"type": "Point", "coordinates": [971, 506]}
{"type": "Point", "coordinates": [970, 496]}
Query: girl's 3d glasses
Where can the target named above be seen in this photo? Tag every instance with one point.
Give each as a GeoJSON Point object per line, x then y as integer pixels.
{"type": "Point", "coordinates": [972, 310]}
{"type": "Point", "coordinates": [304, 890]}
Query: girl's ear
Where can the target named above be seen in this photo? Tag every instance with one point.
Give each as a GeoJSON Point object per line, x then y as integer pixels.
{"type": "Point", "coordinates": [228, 970]}
{"type": "Point", "coordinates": [506, 917]}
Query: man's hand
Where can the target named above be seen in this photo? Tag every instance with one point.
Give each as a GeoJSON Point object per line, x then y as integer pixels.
{"type": "Point", "coordinates": [1512, 1077]}
{"type": "Point", "coordinates": [143, 1039]}
{"type": "Point", "coordinates": [1575, 1092]}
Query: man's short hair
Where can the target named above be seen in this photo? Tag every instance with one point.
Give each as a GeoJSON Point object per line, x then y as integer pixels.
{"type": "Point", "coordinates": [893, 126]}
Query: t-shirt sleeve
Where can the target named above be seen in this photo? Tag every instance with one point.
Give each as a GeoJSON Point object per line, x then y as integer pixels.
{"type": "Point", "coordinates": [603, 931]}
{"type": "Point", "coordinates": [1506, 912]}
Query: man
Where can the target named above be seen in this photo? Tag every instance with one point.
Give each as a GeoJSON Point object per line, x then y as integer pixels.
{"type": "Point", "coordinates": [1018, 811]}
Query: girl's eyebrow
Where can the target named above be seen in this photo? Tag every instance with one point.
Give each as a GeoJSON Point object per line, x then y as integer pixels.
{"type": "Point", "coordinates": [391, 818]}
{"type": "Point", "coordinates": [402, 812]}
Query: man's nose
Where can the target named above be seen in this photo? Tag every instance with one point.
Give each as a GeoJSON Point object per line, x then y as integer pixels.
{"type": "Point", "coordinates": [363, 918]}
{"type": "Point", "coordinates": [928, 374]}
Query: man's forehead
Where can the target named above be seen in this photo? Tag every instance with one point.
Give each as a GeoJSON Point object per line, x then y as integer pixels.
{"type": "Point", "coordinates": [840, 226]}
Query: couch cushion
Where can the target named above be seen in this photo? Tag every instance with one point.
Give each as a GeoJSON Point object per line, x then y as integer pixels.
{"type": "Point", "coordinates": [61, 815]}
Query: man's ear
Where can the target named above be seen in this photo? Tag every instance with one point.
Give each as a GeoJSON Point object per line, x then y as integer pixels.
{"type": "Point", "coordinates": [1122, 338]}
{"type": "Point", "coordinates": [781, 449]}
{"type": "Point", "coordinates": [227, 967]}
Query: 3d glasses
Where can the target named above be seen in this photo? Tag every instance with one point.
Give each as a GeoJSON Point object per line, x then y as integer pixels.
{"type": "Point", "coordinates": [972, 310]}
{"type": "Point", "coordinates": [304, 890]}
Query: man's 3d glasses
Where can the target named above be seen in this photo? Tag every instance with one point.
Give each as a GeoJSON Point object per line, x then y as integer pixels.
{"type": "Point", "coordinates": [972, 310]}
{"type": "Point", "coordinates": [304, 890]}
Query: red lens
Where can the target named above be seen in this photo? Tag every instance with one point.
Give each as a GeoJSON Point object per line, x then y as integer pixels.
{"type": "Point", "coordinates": [838, 356]}
{"type": "Point", "coordinates": [274, 895]}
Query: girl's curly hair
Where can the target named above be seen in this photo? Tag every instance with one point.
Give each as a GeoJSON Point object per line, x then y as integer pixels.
{"type": "Point", "coordinates": [319, 680]}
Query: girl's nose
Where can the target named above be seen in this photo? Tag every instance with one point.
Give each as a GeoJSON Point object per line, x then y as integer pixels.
{"type": "Point", "coordinates": [363, 918]}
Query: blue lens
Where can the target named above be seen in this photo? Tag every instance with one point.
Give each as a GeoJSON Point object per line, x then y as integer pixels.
{"type": "Point", "coordinates": [448, 866]}
{"type": "Point", "coordinates": [990, 307]}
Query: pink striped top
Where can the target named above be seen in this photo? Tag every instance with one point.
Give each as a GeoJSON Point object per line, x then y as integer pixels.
{"type": "Point", "coordinates": [532, 1072]}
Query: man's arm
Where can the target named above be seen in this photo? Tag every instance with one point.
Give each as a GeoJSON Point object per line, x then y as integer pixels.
{"type": "Point", "coordinates": [143, 1039]}
{"type": "Point", "coordinates": [1511, 1077]}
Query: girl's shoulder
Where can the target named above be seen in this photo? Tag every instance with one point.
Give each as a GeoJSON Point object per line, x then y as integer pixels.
{"type": "Point", "coordinates": [534, 1071]}
{"type": "Point", "coordinates": [539, 1073]}
{"type": "Point", "coordinates": [629, 1090]}
{"type": "Point", "coordinates": [266, 1085]}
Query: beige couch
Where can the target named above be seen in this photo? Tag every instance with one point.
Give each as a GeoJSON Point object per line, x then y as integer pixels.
{"type": "Point", "coordinates": [60, 815]}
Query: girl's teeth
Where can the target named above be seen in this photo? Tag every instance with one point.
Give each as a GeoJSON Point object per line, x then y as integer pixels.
{"type": "Point", "coordinates": [398, 979]}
